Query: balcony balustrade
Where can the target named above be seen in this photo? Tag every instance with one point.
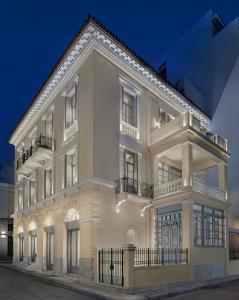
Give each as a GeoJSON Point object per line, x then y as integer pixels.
{"type": "Point", "coordinates": [175, 186]}
{"type": "Point", "coordinates": [168, 188]}
{"type": "Point", "coordinates": [204, 188]}
{"type": "Point", "coordinates": [131, 186]}
{"type": "Point", "coordinates": [42, 142]}
{"type": "Point", "coordinates": [187, 121]}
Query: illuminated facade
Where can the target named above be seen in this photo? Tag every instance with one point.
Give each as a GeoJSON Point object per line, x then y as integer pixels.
{"type": "Point", "coordinates": [109, 155]}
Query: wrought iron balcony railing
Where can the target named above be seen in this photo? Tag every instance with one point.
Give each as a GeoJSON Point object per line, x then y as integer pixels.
{"type": "Point", "coordinates": [128, 185]}
{"type": "Point", "coordinates": [41, 142]}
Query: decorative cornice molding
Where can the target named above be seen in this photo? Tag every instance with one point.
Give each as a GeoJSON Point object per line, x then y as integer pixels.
{"type": "Point", "coordinates": [92, 36]}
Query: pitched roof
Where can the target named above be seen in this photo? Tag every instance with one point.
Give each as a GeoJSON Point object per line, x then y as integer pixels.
{"type": "Point", "coordinates": [69, 48]}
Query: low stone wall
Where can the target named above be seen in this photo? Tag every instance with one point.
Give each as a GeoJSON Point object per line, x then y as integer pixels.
{"type": "Point", "coordinates": [154, 275]}
{"type": "Point", "coordinates": [233, 267]}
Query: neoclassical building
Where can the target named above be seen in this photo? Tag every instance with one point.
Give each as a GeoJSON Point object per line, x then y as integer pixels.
{"type": "Point", "coordinates": [108, 155]}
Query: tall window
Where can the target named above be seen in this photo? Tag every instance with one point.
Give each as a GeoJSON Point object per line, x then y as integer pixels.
{"type": "Point", "coordinates": [208, 226]}
{"type": "Point", "coordinates": [197, 225]}
{"type": "Point", "coordinates": [164, 117]}
{"type": "Point", "coordinates": [49, 125]}
{"type": "Point", "coordinates": [70, 170]}
{"type": "Point", "coordinates": [168, 229]}
{"type": "Point", "coordinates": [48, 183]}
{"type": "Point", "coordinates": [167, 173]}
{"type": "Point", "coordinates": [32, 192]}
{"type": "Point", "coordinates": [129, 108]}
{"type": "Point", "coordinates": [21, 247]}
{"type": "Point", "coordinates": [33, 246]}
{"type": "Point", "coordinates": [20, 199]}
{"type": "Point", "coordinates": [70, 107]}
{"type": "Point", "coordinates": [131, 165]}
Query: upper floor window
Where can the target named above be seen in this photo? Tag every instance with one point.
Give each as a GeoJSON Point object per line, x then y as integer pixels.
{"type": "Point", "coordinates": [49, 125]}
{"type": "Point", "coordinates": [20, 199]}
{"type": "Point", "coordinates": [48, 183]}
{"type": "Point", "coordinates": [129, 108]}
{"type": "Point", "coordinates": [32, 192]}
{"type": "Point", "coordinates": [70, 170]}
{"type": "Point", "coordinates": [164, 117]}
{"type": "Point", "coordinates": [70, 107]}
{"type": "Point", "coordinates": [167, 173]}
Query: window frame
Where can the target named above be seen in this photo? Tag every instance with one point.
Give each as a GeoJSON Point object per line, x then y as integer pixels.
{"type": "Point", "coordinates": [131, 129]}
{"type": "Point", "coordinates": [70, 109]}
{"type": "Point", "coordinates": [32, 201]}
{"type": "Point", "coordinates": [18, 199]}
{"type": "Point", "coordinates": [46, 195]}
{"type": "Point", "coordinates": [73, 169]}
{"type": "Point", "coordinates": [210, 237]}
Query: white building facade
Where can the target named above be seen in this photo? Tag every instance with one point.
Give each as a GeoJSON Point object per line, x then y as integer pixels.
{"type": "Point", "coordinates": [110, 155]}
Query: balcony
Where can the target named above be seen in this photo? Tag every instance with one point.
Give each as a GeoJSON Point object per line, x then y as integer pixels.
{"type": "Point", "coordinates": [134, 187]}
{"type": "Point", "coordinates": [204, 188]}
{"type": "Point", "coordinates": [41, 150]}
{"type": "Point", "coordinates": [183, 123]}
{"type": "Point", "coordinates": [168, 188]}
{"type": "Point", "coordinates": [199, 186]}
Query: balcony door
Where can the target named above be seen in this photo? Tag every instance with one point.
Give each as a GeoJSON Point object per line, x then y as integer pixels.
{"type": "Point", "coordinates": [50, 248]}
{"type": "Point", "coordinates": [131, 171]}
{"type": "Point", "coordinates": [73, 250]}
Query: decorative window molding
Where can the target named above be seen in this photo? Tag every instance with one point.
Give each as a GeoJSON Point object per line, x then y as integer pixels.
{"type": "Point", "coordinates": [48, 182]}
{"type": "Point", "coordinates": [129, 109]}
{"type": "Point", "coordinates": [20, 199]}
{"type": "Point", "coordinates": [70, 168]}
{"type": "Point", "coordinates": [70, 95]}
{"type": "Point", "coordinates": [32, 192]}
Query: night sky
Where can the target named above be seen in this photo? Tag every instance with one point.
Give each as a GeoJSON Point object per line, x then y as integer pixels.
{"type": "Point", "coordinates": [34, 34]}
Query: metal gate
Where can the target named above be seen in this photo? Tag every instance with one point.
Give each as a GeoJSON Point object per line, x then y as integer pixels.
{"type": "Point", "coordinates": [111, 266]}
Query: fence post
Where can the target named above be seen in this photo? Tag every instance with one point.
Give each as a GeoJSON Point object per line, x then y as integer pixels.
{"type": "Point", "coordinates": [128, 270]}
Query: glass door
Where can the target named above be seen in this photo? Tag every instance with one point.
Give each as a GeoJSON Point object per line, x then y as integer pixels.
{"type": "Point", "coordinates": [21, 247]}
{"type": "Point", "coordinates": [72, 250]}
{"type": "Point", "coordinates": [33, 248]}
{"type": "Point", "coordinates": [131, 172]}
{"type": "Point", "coordinates": [50, 246]}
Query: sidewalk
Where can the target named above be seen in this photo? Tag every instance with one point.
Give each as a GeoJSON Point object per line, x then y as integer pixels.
{"type": "Point", "coordinates": [109, 293]}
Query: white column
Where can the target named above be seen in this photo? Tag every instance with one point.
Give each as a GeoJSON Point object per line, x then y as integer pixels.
{"type": "Point", "coordinates": [222, 177]}
{"type": "Point", "coordinates": [187, 164]}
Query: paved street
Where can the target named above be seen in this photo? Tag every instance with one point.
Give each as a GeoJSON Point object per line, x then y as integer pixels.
{"type": "Point", "coordinates": [14, 285]}
{"type": "Point", "coordinates": [228, 291]}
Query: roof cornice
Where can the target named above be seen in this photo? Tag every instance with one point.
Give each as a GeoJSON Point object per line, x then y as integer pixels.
{"type": "Point", "coordinates": [93, 33]}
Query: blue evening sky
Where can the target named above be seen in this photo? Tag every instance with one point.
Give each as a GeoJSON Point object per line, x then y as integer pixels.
{"type": "Point", "coordinates": [34, 34]}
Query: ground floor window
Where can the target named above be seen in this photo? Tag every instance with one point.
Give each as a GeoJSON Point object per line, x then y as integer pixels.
{"type": "Point", "coordinates": [21, 247]}
{"type": "Point", "coordinates": [209, 226]}
{"type": "Point", "coordinates": [168, 228]}
{"type": "Point", "coordinates": [50, 248]}
{"type": "Point", "coordinates": [33, 238]}
{"type": "Point", "coordinates": [73, 250]}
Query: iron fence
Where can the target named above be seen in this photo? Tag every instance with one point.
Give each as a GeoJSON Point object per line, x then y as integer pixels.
{"type": "Point", "coordinates": [128, 185]}
{"type": "Point", "coordinates": [160, 256]}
